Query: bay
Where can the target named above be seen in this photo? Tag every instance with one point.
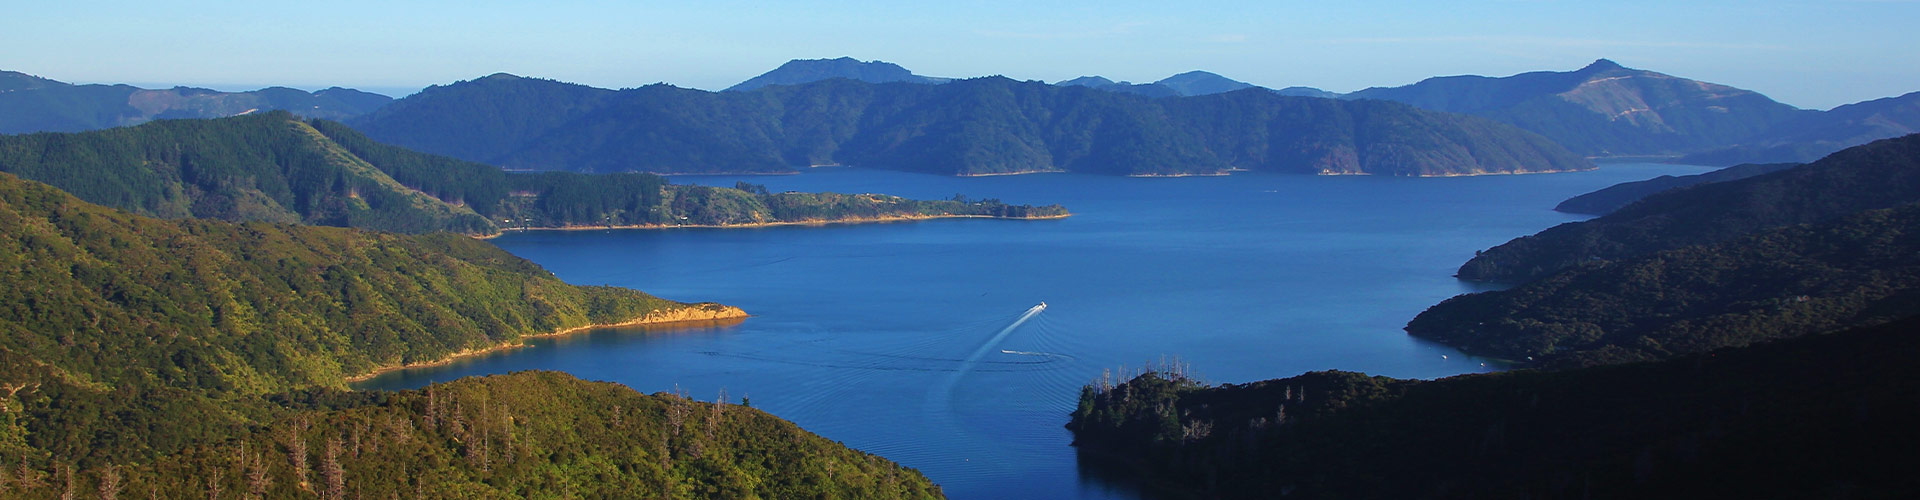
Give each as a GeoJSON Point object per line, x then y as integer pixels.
{"type": "Point", "coordinates": [914, 340]}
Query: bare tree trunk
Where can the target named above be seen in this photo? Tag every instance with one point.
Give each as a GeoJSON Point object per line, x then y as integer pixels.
{"type": "Point", "coordinates": [257, 479]}
{"type": "Point", "coordinates": [73, 485]}
{"type": "Point", "coordinates": [297, 452]}
{"type": "Point", "coordinates": [110, 483]}
{"type": "Point", "coordinates": [216, 484]}
{"type": "Point", "coordinates": [332, 472]}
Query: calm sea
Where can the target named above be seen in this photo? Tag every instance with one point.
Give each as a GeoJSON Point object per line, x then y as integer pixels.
{"type": "Point", "coordinates": [922, 342]}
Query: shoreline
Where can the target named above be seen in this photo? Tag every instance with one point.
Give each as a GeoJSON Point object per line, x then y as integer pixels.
{"type": "Point", "coordinates": [861, 220]}
{"type": "Point", "coordinates": [693, 313]}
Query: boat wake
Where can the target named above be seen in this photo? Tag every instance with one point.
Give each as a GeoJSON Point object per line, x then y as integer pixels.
{"type": "Point", "coordinates": [944, 393]}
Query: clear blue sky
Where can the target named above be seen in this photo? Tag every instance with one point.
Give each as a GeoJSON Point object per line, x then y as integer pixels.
{"type": "Point", "coordinates": [1814, 54]}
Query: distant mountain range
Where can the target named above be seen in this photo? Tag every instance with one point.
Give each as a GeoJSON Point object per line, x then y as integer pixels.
{"type": "Point", "coordinates": [799, 71]}
{"type": "Point", "coordinates": [1820, 134]}
{"type": "Point", "coordinates": [1601, 110]}
{"type": "Point", "coordinates": [1191, 83]}
{"type": "Point", "coordinates": [977, 126]}
{"type": "Point", "coordinates": [35, 104]}
{"type": "Point", "coordinates": [1604, 109]}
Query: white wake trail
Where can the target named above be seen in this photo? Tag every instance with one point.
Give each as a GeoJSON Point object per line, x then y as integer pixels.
{"type": "Point", "coordinates": [945, 393]}
{"type": "Point", "coordinates": [988, 347]}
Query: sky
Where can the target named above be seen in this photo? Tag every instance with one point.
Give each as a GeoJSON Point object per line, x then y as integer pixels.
{"type": "Point", "coordinates": [1811, 54]}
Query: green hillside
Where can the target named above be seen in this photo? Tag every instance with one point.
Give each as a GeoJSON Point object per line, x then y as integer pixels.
{"type": "Point", "coordinates": [275, 167]}
{"type": "Point", "coordinates": [269, 167]}
{"type": "Point", "coordinates": [524, 435]}
{"type": "Point", "coordinates": [257, 307]}
{"type": "Point", "coordinates": [1787, 282]}
{"type": "Point", "coordinates": [1608, 199]}
{"type": "Point", "coordinates": [185, 358]}
{"type": "Point", "coordinates": [1879, 175]}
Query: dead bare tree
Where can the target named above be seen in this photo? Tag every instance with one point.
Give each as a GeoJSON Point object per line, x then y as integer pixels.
{"type": "Point", "coordinates": [73, 486]}
{"type": "Point", "coordinates": [216, 484]}
{"type": "Point", "coordinates": [110, 483]}
{"type": "Point", "coordinates": [257, 479]}
{"type": "Point", "coordinates": [296, 446]}
{"type": "Point", "coordinates": [29, 478]}
{"type": "Point", "coordinates": [332, 472]}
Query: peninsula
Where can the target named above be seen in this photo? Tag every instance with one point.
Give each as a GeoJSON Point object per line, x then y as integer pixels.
{"type": "Point", "coordinates": [277, 167]}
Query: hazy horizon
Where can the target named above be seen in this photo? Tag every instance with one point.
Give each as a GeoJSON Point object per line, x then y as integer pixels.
{"type": "Point", "coordinates": [1808, 54]}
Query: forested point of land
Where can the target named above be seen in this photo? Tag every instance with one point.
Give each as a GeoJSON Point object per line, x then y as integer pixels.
{"type": "Point", "coordinates": [275, 167]}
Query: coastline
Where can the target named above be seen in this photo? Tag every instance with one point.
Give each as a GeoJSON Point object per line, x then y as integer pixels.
{"type": "Point", "coordinates": [858, 220]}
{"type": "Point", "coordinates": [693, 313]}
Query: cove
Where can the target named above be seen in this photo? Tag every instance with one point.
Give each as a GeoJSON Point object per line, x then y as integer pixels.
{"type": "Point", "coordinates": [893, 337]}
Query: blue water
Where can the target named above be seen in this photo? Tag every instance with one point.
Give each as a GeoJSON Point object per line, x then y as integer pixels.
{"type": "Point", "coordinates": [863, 333]}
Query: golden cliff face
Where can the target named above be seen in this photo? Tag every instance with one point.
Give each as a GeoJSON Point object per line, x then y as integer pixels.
{"type": "Point", "coordinates": [704, 311]}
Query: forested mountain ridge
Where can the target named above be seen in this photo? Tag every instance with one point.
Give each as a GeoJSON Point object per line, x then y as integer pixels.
{"type": "Point", "coordinates": [1811, 137]}
{"type": "Point", "coordinates": [270, 167]}
{"type": "Point", "coordinates": [1858, 270]}
{"type": "Point", "coordinates": [1819, 416]}
{"type": "Point", "coordinates": [498, 114]}
{"type": "Point", "coordinates": [35, 104]}
{"type": "Point", "coordinates": [275, 167]}
{"type": "Point", "coordinates": [1604, 109]}
{"type": "Point", "coordinates": [967, 127]}
{"type": "Point", "coordinates": [1882, 174]}
{"type": "Point", "coordinates": [1608, 199]}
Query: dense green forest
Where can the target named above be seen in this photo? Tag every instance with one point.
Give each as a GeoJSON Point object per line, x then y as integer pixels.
{"type": "Point", "coordinates": [133, 307]}
{"type": "Point", "coordinates": [1787, 282]}
{"type": "Point", "coordinates": [1824, 416]}
{"type": "Point", "coordinates": [524, 435]}
{"type": "Point", "coordinates": [1606, 200]}
{"type": "Point", "coordinates": [269, 167]}
{"type": "Point", "coordinates": [203, 358]}
{"type": "Point", "coordinates": [274, 167]}
{"type": "Point", "coordinates": [965, 127]}
{"type": "Point", "coordinates": [36, 104]}
{"type": "Point", "coordinates": [1883, 174]}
